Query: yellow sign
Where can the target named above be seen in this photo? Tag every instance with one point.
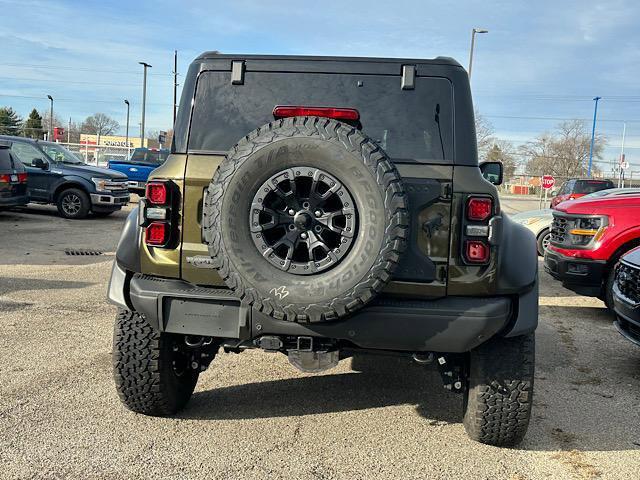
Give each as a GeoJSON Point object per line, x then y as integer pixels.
{"type": "Point", "coordinates": [110, 141]}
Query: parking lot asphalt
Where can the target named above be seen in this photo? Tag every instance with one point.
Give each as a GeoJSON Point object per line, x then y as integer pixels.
{"type": "Point", "coordinates": [255, 416]}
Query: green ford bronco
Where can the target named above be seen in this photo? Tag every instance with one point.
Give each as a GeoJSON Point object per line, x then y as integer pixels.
{"type": "Point", "coordinates": [325, 208]}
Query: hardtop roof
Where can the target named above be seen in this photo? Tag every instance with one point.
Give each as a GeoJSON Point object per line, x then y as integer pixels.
{"type": "Point", "coordinates": [213, 55]}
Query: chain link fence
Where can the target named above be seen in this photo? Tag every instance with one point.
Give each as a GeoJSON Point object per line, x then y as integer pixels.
{"type": "Point", "coordinates": [98, 155]}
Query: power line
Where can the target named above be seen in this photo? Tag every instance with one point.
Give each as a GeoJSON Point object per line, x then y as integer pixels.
{"type": "Point", "coordinates": [520, 117]}
{"type": "Point", "coordinates": [47, 80]}
{"type": "Point", "coordinates": [70, 100]}
{"type": "Point", "coordinates": [81, 69]}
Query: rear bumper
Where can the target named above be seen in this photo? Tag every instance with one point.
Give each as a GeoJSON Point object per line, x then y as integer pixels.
{"type": "Point", "coordinates": [16, 201]}
{"type": "Point", "coordinates": [580, 275]}
{"type": "Point", "coordinates": [451, 324]}
{"type": "Point", "coordinates": [628, 317]}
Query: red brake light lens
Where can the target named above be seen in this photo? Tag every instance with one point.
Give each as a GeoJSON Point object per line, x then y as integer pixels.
{"type": "Point", "coordinates": [479, 209]}
{"type": "Point", "coordinates": [157, 193]}
{"type": "Point", "coordinates": [477, 251]}
{"type": "Point", "coordinates": [156, 233]}
{"type": "Point", "coordinates": [5, 178]}
{"type": "Point", "coordinates": [282, 111]}
{"type": "Point", "coordinates": [22, 177]}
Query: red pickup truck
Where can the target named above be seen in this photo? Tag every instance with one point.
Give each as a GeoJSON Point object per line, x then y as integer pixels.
{"type": "Point", "coordinates": [588, 237]}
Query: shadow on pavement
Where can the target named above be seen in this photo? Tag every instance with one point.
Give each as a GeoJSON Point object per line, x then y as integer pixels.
{"type": "Point", "coordinates": [14, 284]}
{"type": "Point", "coordinates": [388, 382]}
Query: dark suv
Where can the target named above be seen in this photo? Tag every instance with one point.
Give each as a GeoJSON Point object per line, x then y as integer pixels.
{"type": "Point", "coordinates": [323, 208]}
{"type": "Point", "coordinates": [13, 179]}
{"type": "Point", "coordinates": [58, 176]}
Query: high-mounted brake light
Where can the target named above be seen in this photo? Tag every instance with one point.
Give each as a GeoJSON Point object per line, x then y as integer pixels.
{"type": "Point", "coordinates": [157, 233]}
{"type": "Point", "coordinates": [157, 193]}
{"type": "Point", "coordinates": [282, 111]}
{"type": "Point", "coordinates": [477, 251]}
{"type": "Point", "coordinates": [479, 209]}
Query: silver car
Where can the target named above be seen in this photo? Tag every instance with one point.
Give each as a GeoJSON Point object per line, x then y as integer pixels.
{"type": "Point", "coordinates": [539, 222]}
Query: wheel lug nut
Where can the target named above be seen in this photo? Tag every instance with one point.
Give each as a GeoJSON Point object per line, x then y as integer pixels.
{"type": "Point", "coordinates": [303, 235]}
{"type": "Point", "coordinates": [291, 212]}
{"type": "Point", "coordinates": [317, 213]}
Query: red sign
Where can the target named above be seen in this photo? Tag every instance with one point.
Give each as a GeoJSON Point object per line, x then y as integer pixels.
{"type": "Point", "coordinates": [548, 181]}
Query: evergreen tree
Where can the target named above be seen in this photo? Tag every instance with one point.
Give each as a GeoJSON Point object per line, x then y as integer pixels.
{"type": "Point", "coordinates": [33, 125]}
{"type": "Point", "coordinates": [10, 122]}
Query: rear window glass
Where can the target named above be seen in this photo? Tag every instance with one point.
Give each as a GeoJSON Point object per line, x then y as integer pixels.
{"type": "Point", "coordinates": [6, 162]}
{"type": "Point", "coordinates": [590, 186]}
{"type": "Point", "coordinates": [149, 157]}
{"type": "Point", "coordinates": [413, 125]}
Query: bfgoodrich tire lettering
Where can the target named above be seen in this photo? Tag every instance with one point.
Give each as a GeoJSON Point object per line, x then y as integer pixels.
{"type": "Point", "coordinates": [500, 392]}
{"type": "Point", "coordinates": [143, 369]}
{"type": "Point", "coordinates": [357, 162]}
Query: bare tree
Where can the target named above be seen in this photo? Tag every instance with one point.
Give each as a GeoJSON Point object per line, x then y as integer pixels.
{"type": "Point", "coordinates": [503, 151]}
{"type": "Point", "coordinates": [100, 124]}
{"type": "Point", "coordinates": [564, 152]}
{"type": "Point", "coordinates": [484, 135]}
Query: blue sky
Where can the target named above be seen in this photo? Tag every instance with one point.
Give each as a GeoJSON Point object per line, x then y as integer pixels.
{"type": "Point", "coordinates": [542, 60]}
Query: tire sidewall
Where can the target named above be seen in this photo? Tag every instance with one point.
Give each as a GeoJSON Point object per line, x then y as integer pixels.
{"type": "Point", "coordinates": [303, 151]}
{"type": "Point", "coordinates": [85, 203]}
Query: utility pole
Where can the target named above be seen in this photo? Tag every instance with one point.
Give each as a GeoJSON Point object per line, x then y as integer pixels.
{"type": "Point", "coordinates": [473, 44]}
{"type": "Point", "coordinates": [144, 100]}
{"type": "Point", "coordinates": [126, 142]}
{"type": "Point", "coordinates": [175, 84]}
{"type": "Point", "coordinates": [624, 132]}
{"type": "Point", "coordinates": [50, 118]}
{"type": "Point", "coordinates": [593, 135]}
{"type": "Point", "coordinates": [69, 131]}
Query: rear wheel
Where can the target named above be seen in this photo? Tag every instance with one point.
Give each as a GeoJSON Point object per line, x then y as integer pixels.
{"type": "Point", "coordinates": [73, 203]}
{"type": "Point", "coordinates": [500, 390]}
{"type": "Point", "coordinates": [152, 376]}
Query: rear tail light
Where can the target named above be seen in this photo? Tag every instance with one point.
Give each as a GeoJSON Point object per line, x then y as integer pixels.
{"type": "Point", "coordinates": [350, 114]}
{"type": "Point", "coordinates": [157, 193]}
{"type": "Point", "coordinates": [479, 208]}
{"type": "Point", "coordinates": [6, 178]}
{"type": "Point", "coordinates": [157, 211]}
{"type": "Point", "coordinates": [157, 233]}
{"type": "Point", "coordinates": [477, 251]}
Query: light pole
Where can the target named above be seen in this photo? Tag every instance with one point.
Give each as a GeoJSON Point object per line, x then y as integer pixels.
{"type": "Point", "coordinates": [473, 44]}
{"type": "Point", "coordinates": [144, 100]}
{"type": "Point", "coordinates": [126, 142]}
{"type": "Point", "coordinates": [593, 135]}
{"type": "Point", "coordinates": [50, 118]}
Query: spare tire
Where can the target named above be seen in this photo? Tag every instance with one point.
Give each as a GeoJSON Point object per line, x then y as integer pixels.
{"type": "Point", "coordinates": [306, 219]}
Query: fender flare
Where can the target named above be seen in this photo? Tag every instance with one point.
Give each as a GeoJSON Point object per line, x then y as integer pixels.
{"type": "Point", "coordinates": [128, 250]}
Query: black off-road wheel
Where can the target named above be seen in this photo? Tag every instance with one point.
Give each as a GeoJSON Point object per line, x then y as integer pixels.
{"type": "Point", "coordinates": [152, 377]}
{"type": "Point", "coordinates": [73, 203]}
{"type": "Point", "coordinates": [500, 390]}
{"type": "Point", "coordinates": [306, 219]}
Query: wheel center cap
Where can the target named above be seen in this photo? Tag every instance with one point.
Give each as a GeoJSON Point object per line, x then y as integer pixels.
{"type": "Point", "coordinates": [302, 220]}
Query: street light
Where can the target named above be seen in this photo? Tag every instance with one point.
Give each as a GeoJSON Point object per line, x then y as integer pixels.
{"type": "Point", "coordinates": [50, 118]}
{"type": "Point", "coordinates": [126, 142]}
{"type": "Point", "coordinates": [593, 135]}
{"type": "Point", "coordinates": [473, 43]}
{"type": "Point", "coordinates": [144, 100]}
